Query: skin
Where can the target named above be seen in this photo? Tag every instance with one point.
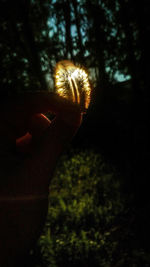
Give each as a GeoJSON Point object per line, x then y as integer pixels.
{"type": "Point", "coordinates": [30, 145]}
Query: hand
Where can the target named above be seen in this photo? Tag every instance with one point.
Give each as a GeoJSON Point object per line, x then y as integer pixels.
{"type": "Point", "coordinates": [29, 147]}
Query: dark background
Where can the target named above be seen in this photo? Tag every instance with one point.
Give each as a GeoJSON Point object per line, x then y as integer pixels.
{"type": "Point", "coordinates": [108, 37]}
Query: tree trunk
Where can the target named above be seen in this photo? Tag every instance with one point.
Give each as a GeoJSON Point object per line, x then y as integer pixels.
{"type": "Point", "coordinates": [67, 18]}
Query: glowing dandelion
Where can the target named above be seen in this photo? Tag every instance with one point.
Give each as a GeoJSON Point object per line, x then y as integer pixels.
{"type": "Point", "coordinates": [72, 83]}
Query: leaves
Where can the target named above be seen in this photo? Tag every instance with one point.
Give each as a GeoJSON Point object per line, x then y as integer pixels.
{"type": "Point", "coordinates": [84, 224]}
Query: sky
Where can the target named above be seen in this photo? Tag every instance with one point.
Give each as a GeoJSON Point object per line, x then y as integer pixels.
{"type": "Point", "coordinates": [118, 76]}
{"type": "Point", "coordinates": [121, 77]}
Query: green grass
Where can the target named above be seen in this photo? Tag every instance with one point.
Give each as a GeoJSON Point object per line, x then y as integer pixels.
{"type": "Point", "coordinates": [89, 222]}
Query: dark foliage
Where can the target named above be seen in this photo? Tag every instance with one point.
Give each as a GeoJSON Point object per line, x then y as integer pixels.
{"type": "Point", "coordinates": [90, 220]}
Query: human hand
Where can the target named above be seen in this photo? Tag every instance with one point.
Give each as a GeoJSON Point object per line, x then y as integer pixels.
{"type": "Point", "coordinates": [29, 147]}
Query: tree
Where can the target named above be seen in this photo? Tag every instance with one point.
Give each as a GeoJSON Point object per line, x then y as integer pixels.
{"type": "Point", "coordinates": [20, 52]}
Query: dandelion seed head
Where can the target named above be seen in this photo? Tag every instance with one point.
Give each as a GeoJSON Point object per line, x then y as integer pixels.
{"type": "Point", "coordinates": [72, 82]}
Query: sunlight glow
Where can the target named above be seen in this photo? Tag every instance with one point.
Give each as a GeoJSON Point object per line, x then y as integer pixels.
{"type": "Point", "coordinates": [72, 82]}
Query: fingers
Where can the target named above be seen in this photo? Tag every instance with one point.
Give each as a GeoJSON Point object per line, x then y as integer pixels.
{"type": "Point", "coordinates": [37, 170]}
{"type": "Point", "coordinates": [37, 125]}
{"type": "Point", "coordinates": [23, 144]}
{"type": "Point", "coordinates": [17, 112]}
{"type": "Point", "coordinates": [38, 102]}
{"type": "Point", "coordinates": [32, 176]}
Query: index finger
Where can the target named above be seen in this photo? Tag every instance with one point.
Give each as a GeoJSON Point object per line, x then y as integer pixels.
{"type": "Point", "coordinates": [17, 111]}
{"type": "Point", "coordinates": [38, 102]}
